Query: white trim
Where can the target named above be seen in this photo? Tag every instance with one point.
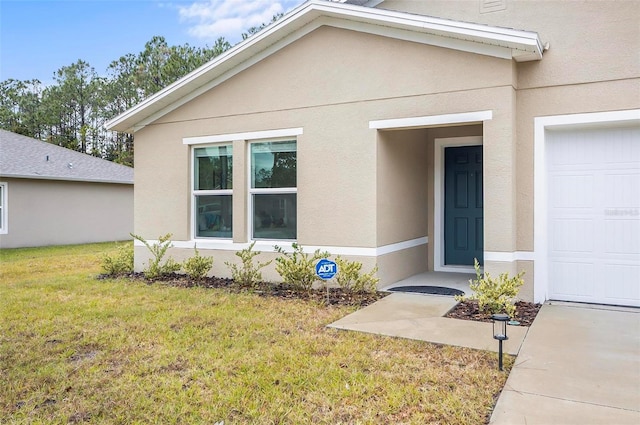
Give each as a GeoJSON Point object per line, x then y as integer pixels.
{"type": "Point", "coordinates": [4, 208]}
{"type": "Point", "coordinates": [540, 225]}
{"type": "Point", "coordinates": [268, 246]}
{"type": "Point", "coordinates": [509, 257]}
{"type": "Point", "coordinates": [438, 197]}
{"type": "Point", "coordinates": [251, 135]}
{"type": "Point", "coordinates": [432, 120]}
{"type": "Point", "coordinates": [193, 194]}
{"type": "Point", "coordinates": [266, 191]}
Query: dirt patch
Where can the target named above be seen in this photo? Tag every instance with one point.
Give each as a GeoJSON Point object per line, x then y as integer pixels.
{"type": "Point", "coordinates": [468, 310]}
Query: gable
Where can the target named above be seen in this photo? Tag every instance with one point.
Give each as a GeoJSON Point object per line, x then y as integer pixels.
{"type": "Point", "coordinates": [332, 66]}
{"type": "Point", "coordinates": [480, 39]}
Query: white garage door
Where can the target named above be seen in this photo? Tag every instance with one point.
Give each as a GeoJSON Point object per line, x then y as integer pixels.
{"type": "Point", "coordinates": [594, 215]}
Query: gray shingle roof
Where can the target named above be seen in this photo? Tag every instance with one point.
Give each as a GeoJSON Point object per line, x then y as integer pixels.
{"type": "Point", "coordinates": [25, 157]}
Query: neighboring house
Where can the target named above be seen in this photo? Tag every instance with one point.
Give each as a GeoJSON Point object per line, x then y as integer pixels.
{"type": "Point", "coordinates": [55, 196]}
{"type": "Point", "coordinates": [417, 135]}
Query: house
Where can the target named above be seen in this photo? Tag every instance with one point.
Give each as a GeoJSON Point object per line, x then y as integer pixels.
{"type": "Point", "coordinates": [50, 195]}
{"type": "Point", "coordinates": [417, 135]}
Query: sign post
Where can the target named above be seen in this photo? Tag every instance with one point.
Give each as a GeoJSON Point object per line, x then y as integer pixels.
{"type": "Point", "coordinates": [325, 270]}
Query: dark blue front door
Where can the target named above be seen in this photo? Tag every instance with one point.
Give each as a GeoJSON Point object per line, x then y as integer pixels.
{"type": "Point", "coordinates": [463, 225]}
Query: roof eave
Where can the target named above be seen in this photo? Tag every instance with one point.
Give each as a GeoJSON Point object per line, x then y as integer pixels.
{"type": "Point", "coordinates": [501, 42]}
{"type": "Point", "coordinates": [66, 179]}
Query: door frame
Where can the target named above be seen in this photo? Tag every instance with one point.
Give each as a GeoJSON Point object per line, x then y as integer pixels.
{"type": "Point", "coordinates": [438, 196]}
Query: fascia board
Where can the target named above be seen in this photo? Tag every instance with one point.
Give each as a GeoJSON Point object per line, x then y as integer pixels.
{"type": "Point", "coordinates": [64, 179]}
{"type": "Point", "coordinates": [498, 42]}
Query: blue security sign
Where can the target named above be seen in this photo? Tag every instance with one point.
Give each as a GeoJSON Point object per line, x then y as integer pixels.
{"type": "Point", "coordinates": [326, 269]}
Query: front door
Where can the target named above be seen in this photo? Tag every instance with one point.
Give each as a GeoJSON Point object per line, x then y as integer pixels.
{"type": "Point", "coordinates": [463, 223]}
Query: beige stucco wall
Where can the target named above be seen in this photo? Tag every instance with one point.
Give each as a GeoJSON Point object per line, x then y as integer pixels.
{"type": "Point", "coordinates": [48, 212]}
{"type": "Point", "coordinates": [337, 189]}
{"type": "Point", "coordinates": [332, 82]}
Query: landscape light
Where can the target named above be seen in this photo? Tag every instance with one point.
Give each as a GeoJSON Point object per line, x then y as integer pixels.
{"type": "Point", "coordinates": [500, 333]}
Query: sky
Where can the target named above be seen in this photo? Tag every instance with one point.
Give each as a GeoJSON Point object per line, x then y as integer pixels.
{"type": "Point", "coordinates": [38, 37]}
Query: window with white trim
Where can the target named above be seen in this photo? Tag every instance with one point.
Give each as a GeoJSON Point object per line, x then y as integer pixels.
{"type": "Point", "coordinates": [3, 208]}
{"type": "Point", "coordinates": [212, 191]}
{"type": "Point", "coordinates": [273, 190]}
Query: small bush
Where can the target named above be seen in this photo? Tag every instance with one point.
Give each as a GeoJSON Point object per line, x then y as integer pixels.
{"type": "Point", "coordinates": [119, 263]}
{"type": "Point", "coordinates": [350, 278]}
{"type": "Point", "coordinates": [157, 268]}
{"type": "Point", "coordinates": [247, 274]}
{"type": "Point", "coordinates": [495, 295]}
{"type": "Point", "coordinates": [298, 268]}
{"type": "Point", "coordinates": [197, 266]}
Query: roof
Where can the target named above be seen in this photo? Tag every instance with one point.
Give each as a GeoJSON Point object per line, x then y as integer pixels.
{"type": "Point", "coordinates": [25, 157]}
{"type": "Point", "coordinates": [499, 42]}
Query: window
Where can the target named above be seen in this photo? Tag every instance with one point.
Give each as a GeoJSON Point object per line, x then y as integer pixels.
{"type": "Point", "coordinates": [3, 208]}
{"type": "Point", "coordinates": [273, 190]}
{"type": "Point", "coordinates": [212, 191]}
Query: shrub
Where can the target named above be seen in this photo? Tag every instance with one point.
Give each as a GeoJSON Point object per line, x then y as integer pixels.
{"type": "Point", "coordinates": [495, 295]}
{"type": "Point", "coordinates": [197, 266]}
{"type": "Point", "coordinates": [298, 268]}
{"type": "Point", "coordinates": [248, 273]}
{"type": "Point", "coordinates": [350, 278]}
{"type": "Point", "coordinates": [157, 268]}
{"type": "Point", "coordinates": [119, 263]}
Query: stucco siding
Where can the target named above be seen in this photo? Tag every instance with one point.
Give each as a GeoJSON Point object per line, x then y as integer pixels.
{"type": "Point", "coordinates": [337, 194]}
{"type": "Point", "coordinates": [402, 176]}
{"type": "Point", "coordinates": [48, 212]}
{"type": "Point", "coordinates": [595, 40]}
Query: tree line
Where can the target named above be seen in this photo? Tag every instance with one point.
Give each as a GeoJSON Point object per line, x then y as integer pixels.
{"type": "Point", "coordinates": [72, 111]}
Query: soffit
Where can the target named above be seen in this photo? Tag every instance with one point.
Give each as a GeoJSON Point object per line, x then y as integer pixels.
{"type": "Point", "coordinates": [499, 42]}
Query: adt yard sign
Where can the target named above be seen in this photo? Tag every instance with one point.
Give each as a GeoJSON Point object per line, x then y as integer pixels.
{"type": "Point", "coordinates": [326, 269]}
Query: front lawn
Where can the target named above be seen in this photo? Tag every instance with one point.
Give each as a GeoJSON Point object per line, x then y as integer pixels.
{"type": "Point", "coordinates": [76, 349]}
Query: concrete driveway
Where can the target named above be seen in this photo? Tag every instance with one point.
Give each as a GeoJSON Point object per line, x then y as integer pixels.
{"type": "Point", "coordinates": [577, 365]}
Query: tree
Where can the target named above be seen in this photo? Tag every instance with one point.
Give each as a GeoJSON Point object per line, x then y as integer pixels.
{"type": "Point", "coordinates": [259, 28]}
{"type": "Point", "coordinates": [73, 107]}
{"type": "Point", "coordinates": [21, 108]}
{"type": "Point", "coordinates": [159, 64]}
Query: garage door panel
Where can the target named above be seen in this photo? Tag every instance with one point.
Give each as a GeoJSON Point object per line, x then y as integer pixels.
{"type": "Point", "coordinates": [568, 236]}
{"type": "Point", "coordinates": [623, 282]}
{"type": "Point", "coordinates": [594, 215]}
{"type": "Point", "coordinates": [622, 237]}
{"type": "Point", "coordinates": [574, 279]}
{"type": "Point", "coordinates": [621, 190]}
{"type": "Point", "coordinates": [565, 194]}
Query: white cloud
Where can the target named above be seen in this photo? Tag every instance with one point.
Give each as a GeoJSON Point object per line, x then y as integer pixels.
{"type": "Point", "coordinates": [211, 19]}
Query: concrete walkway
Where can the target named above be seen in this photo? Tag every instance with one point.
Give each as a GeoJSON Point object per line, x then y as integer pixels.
{"type": "Point", "coordinates": [419, 317]}
{"type": "Point", "coordinates": [579, 364]}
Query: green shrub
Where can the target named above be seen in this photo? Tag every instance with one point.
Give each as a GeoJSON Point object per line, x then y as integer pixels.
{"type": "Point", "coordinates": [495, 295]}
{"type": "Point", "coordinates": [350, 278]}
{"type": "Point", "coordinates": [157, 268]}
{"type": "Point", "coordinates": [119, 263]}
{"type": "Point", "coordinates": [197, 266]}
{"type": "Point", "coordinates": [247, 274]}
{"type": "Point", "coordinates": [298, 268]}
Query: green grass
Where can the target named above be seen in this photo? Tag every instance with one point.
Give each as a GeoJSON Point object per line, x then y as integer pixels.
{"type": "Point", "coordinates": [75, 349]}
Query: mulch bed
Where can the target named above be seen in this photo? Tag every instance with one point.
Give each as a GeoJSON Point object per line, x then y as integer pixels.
{"type": "Point", "coordinates": [468, 310]}
{"type": "Point", "coordinates": [336, 296]}
{"type": "Point", "coordinates": [465, 310]}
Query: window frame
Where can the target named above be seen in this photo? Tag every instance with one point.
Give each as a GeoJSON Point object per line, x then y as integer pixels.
{"type": "Point", "coordinates": [207, 192]}
{"type": "Point", "coordinates": [251, 191]}
{"type": "Point", "coordinates": [4, 225]}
